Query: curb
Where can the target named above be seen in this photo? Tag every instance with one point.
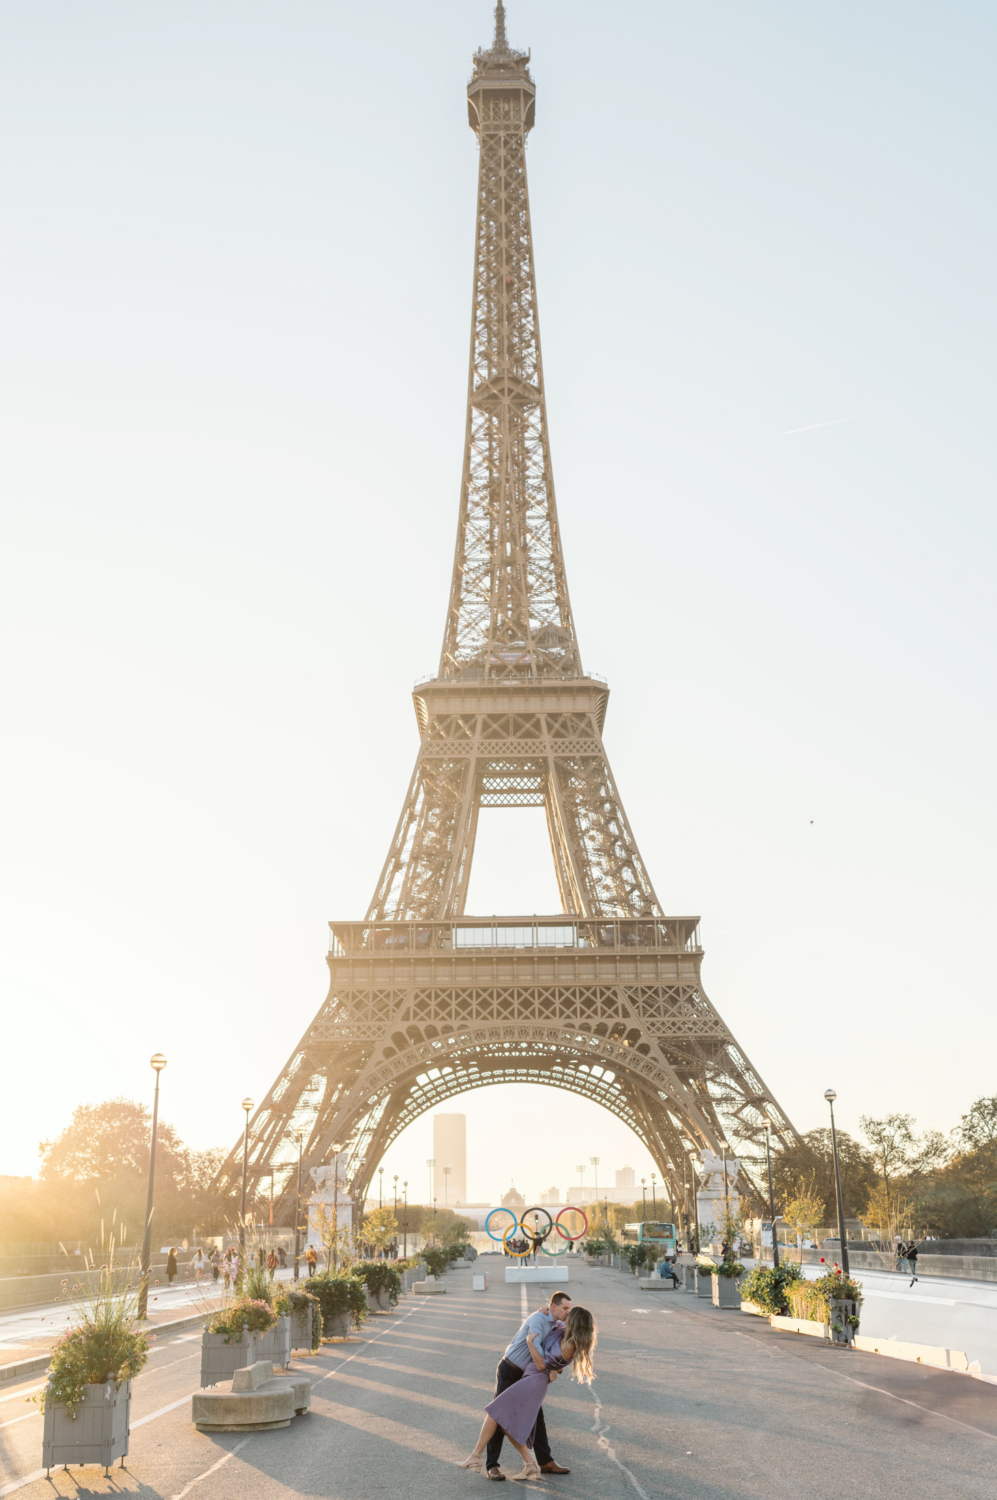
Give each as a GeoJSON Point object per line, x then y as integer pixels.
{"type": "Point", "coordinates": [41, 1361]}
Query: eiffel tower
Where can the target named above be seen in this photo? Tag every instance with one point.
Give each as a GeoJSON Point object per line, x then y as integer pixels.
{"type": "Point", "coordinates": [603, 999]}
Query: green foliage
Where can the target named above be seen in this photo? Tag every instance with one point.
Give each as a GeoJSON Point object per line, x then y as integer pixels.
{"type": "Point", "coordinates": [101, 1344]}
{"type": "Point", "coordinates": [436, 1261]}
{"type": "Point", "coordinates": [379, 1229]}
{"type": "Point", "coordinates": [636, 1256]}
{"type": "Point", "coordinates": [245, 1312]}
{"type": "Point", "coordinates": [813, 1161]}
{"type": "Point", "coordinates": [380, 1276]}
{"type": "Point", "coordinates": [768, 1286]}
{"type": "Point", "coordinates": [706, 1268]}
{"type": "Point", "coordinates": [340, 1294]}
{"type": "Point", "coordinates": [811, 1300]}
{"type": "Point", "coordinates": [594, 1247]}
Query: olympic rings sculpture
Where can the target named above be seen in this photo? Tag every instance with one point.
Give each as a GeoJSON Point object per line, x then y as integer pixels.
{"type": "Point", "coordinates": [554, 1226]}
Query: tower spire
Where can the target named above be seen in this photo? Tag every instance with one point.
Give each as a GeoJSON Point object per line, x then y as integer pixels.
{"type": "Point", "coordinates": [501, 42]}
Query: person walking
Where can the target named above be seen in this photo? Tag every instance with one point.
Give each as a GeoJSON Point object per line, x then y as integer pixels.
{"type": "Point", "coordinates": [281, 1257]}
{"type": "Point", "coordinates": [912, 1260]}
{"type": "Point", "coordinates": [216, 1265]}
{"type": "Point", "coordinates": [517, 1411]}
{"type": "Point", "coordinates": [514, 1363]}
{"type": "Point", "coordinates": [272, 1264]}
{"type": "Point", "coordinates": [171, 1266]}
{"type": "Point", "coordinates": [311, 1259]}
{"type": "Point", "coordinates": [228, 1275]}
{"type": "Point", "coordinates": [198, 1264]}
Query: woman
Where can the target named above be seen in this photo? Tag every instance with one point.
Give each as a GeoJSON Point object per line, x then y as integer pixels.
{"type": "Point", "coordinates": [171, 1266]}
{"type": "Point", "coordinates": [515, 1410]}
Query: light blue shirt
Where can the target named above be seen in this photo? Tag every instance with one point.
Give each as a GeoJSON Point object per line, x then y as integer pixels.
{"type": "Point", "coordinates": [518, 1352]}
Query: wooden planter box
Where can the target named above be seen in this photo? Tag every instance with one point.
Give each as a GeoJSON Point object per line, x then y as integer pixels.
{"type": "Point", "coordinates": [99, 1432]}
{"type": "Point", "coordinates": [689, 1278]}
{"type": "Point", "coordinates": [379, 1302]}
{"type": "Point", "coordinates": [726, 1292]}
{"type": "Point", "coordinates": [704, 1285]}
{"type": "Point", "coordinates": [220, 1360]}
{"type": "Point", "coordinates": [301, 1329]}
{"type": "Point", "coordinates": [275, 1344]}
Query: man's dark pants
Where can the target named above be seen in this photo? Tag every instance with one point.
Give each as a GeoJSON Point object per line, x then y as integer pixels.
{"type": "Point", "coordinates": [507, 1375]}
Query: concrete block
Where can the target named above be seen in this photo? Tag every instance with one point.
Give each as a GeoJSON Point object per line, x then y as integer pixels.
{"type": "Point", "coordinates": [479, 1282]}
{"type": "Point", "coordinates": [920, 1354]}
{"type": "Point", "coordinates": [535, 1274]}
{"type": "Point", "coordinates": [799, 1325]}
{"type": "Point", "coordinates": [256, 1402]}
{"type": "Point", "coordinates": [655, 1284]}
{"type": "Point", "coordinates": [429, 1288]}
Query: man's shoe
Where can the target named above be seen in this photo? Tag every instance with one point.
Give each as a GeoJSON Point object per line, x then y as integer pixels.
{"type": "Point", "coordinates": [495, 1473]}
{"type": "Point", "coordinates": [553, 1468]}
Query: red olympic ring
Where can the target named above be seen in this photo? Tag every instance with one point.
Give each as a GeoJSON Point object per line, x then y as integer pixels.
{"type": "Point", "coordinates": [568, 1209]}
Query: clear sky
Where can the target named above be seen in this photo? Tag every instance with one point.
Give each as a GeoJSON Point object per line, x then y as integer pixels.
{"type": "Point", "coordinates": [234, 310]}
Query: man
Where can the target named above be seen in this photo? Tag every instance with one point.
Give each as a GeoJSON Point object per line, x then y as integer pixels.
{"type": "Point", "coordinates": [514, 1362]}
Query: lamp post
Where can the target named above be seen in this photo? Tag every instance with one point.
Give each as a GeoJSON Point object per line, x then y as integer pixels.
{"type": "Point", "coordinates": [157, 1062]}
{"type": "Point", "coordinates": [654, 1197]}
{"type": "Point", "coordinates": [396, 1195]}
{"type": "Point", "coordinates": [446, 1186]}
{"type": "Point", "coordinates": [594, 1160]}
{"type": "Point", "coordinates": [581, 1184]}
{"type": "Point", "coordinates": [380, 1187]}
{"type": "Point", "coordinates": [830, 1096]}
{"type": "Point", "coordinates": [695, 1203]}
{"type": "Point", "coordinates": [247, 1105]}
{"type": "Point", "coordinates": [643, 1189]}
{"type": "Point", "coordinates": [405, 1230]}
{"type": "Point", "coordinates": [431, 1163]}
{"type": "Point", "coordinates": [768, 1157]}
{"type": "Point", "coordinates": [299, 1136]}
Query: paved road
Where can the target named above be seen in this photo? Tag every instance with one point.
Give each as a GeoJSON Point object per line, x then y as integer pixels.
{"type": "Point", "coordinates": [690, 1404]}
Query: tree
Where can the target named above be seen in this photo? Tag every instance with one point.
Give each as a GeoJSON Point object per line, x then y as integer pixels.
{"type": "Point", "coordinates": [813, 1158]}
{"type": "Point", "coordinates": [892, 1145]}
{"type": "Point", "coordinates": [978, 1130]}
{"type": "Point", "coordinates": [110, 1140]}
{"type": "Point", "coordinates": [804, 1211]}
{"type": "Point", "coordinates": [379, 1228]}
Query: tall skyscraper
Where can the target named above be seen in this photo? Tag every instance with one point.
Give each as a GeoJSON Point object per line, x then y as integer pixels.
{"type": "Point", "coordinates": [450, 1150]}
{"type": "Point", "coordinates": [626, 1182]}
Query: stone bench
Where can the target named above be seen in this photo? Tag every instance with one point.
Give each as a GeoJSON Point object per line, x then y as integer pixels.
{"type": "Point", "coordinates": [428, 1288]}
{"type": "Point", "coordinates": [256, 1402]}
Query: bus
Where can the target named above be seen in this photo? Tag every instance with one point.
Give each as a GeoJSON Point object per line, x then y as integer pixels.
{"type": "Point", "coordinates": [652, 1231]}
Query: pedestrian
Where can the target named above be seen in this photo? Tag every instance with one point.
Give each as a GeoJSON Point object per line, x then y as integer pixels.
{"type": "Point", "coordinates": [261, 1257]}
{"type": "Point", "coordinates": [198, 1264]}
{"type": "Point", "coordinates": [227, 1269]}
{"type": "Point", "coordinates": [516, 1412]}
{"type": "Point", "coordinates": [282, 1257]}
{"type": "Point", "coordinates": [216, 1265]}
{"type": "Point", "coordinates": [311, 1259]}
{"type": "Point", "coordinates": [898, 1253]}
{"type": "Point", "coordinates": [171, 1266]}
{"type": "Point", "coordinates": [517, 1359]}
{"type": "Point", "coordinates": [912, 1260]}
{"type": "Point", "coordinates": [272, 1264]}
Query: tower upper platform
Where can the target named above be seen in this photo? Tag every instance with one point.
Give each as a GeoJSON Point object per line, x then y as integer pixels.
{"type": "Point", "coordinates": [500, 67]}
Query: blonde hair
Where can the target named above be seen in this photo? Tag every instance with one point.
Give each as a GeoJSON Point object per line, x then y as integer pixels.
{"type": "Point", "coordinates": [580, 1331]}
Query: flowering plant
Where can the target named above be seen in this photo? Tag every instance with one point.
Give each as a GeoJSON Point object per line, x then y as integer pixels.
{"type": "Point", "coordinates": [245, 1312]}
{"type": "Point", "coordinates": [102, 1344]}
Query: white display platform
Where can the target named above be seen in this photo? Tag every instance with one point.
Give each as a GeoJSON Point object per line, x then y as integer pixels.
{"type": "Point", "coordinates": [535, 1273]}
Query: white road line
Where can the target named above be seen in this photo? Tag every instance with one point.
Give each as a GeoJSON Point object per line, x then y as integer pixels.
{"type": "Point", "coordinates": [13, 1420]}
{"type": "Point", "coordinates": [223, 1460]}
{"type": "Point", "coordinates": [20, 1395]}
{"type": "Point", "coordinates": [522, 1298]}
{"type": "Point", "coordinates": [601, 1428]}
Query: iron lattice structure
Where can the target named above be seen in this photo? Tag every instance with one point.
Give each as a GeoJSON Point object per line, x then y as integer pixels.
{"type": "Point", "coordinates": [605, 1000]}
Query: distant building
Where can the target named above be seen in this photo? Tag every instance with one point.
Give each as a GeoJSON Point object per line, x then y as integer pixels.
{"type": "Point", "coordinates": [626, 1183]}
{"type": "Point", "coordinates": [550, 1198]}
{"type": "Point", "coordinates": [450, 1150]}
{"type": "Point", "coordinates": [513, 1199]}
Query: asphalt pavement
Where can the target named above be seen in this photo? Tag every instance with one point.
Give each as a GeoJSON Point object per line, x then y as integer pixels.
{"type": "Point", "coordinates": [690, 1403]}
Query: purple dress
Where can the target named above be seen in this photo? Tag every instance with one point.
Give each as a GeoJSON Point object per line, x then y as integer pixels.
{"type": "Point", "coordinates": [515, 1410]}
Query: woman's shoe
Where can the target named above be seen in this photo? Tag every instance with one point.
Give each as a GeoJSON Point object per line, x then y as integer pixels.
{"type": "Point", "coordinates": [531, 1471]}
{"type": "Point", "coordinates": [473, 1461]}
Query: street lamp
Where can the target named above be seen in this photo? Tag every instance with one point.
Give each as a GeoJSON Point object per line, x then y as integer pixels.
{"type": "Point", "coordinates": [594, 1160]}
{"type": "Point", "coordinates": [431, 1163]}
{"type": "Point", "coordinates": [157, 1062]}
{"type": "Point", "coordinates": [299, 1136]}
{"type": "Point", "coordinates": [654, 1197]}
{"type": "Point", "coordinates": [247, 1105]}
{"type": "Point", "coordinates": [446, 1186]}
{"type": "Point", "coordinates": [581, 1184]}
{"type": "Point", "coordinates": [830, 1096]}
{"type": "Point", "coordinates": [396, 1195]}
{"type": "Point", "coordinates": [768, 1156]}
{"type": "Point", "coordinates": [405, 1230]}
{"type": "Point", "coordinates": [380, 1187]}
{"type": "Point", "coordinates": [643, 1189]}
